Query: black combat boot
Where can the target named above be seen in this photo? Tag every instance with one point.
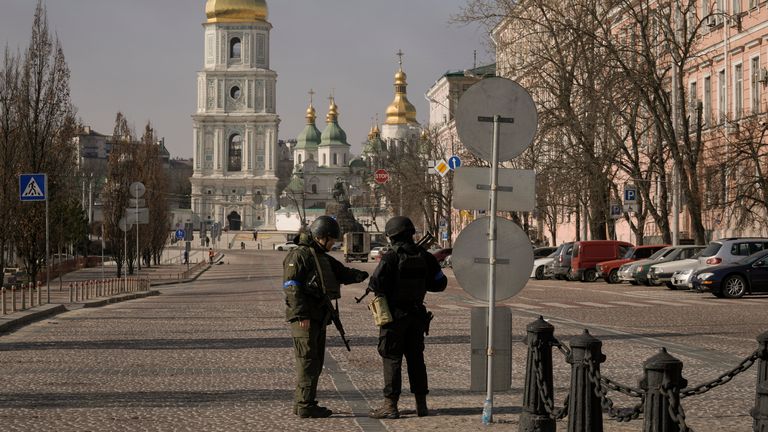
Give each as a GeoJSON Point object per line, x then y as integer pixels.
{"type": "Point", "coordinates": [314, 411]}
{"type": "Point", "coordinates": [387, 411]}
{"type": "Point", "coordinates": [421, 406]}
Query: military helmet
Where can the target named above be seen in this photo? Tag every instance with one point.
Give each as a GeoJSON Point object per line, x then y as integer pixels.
{"type": "Point", "coordinates": [325, 226]}
{"type": "Point", "coordinates": [399, 225]}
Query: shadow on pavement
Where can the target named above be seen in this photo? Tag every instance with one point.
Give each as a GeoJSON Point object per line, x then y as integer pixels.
{"type": "Point", "coordinates": [200, 344]}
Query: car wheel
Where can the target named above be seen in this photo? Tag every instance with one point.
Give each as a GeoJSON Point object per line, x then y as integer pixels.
{"type": "Point", "coordinates": [280, 248]}
{"type": "Point", "coordinates": [613, 277]}
{"type": "Point", "coordinates": [634, 282]}
{"type": "Point", "coordinates": [671, 286]}
{"type": "Point", "coordinates": [734, 287]}
{"type": "Point", "coordinates": [590, 275]}
{"type": "Point", "coordinates": [540, 273]}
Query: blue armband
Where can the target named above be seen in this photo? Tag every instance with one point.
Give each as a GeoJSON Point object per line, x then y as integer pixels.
{"type": "Point", "coordinates": [290, 283]}
{"type": "Point", "coordinates": [439, 275]}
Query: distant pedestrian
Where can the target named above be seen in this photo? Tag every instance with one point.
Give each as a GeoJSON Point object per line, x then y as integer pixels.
{"type": "Point", "coordinates": [210, 255]}
{"type": "Point", "coordinates": [242, 245]}
{"type": "Point", "coordinates": [186, 257]}
{"type": "Point", "coordinates": [207, 241]}
{"type": "Point", "coordinates": [255, 236]}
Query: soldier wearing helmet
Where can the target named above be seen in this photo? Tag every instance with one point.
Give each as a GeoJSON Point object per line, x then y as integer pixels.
{"type": "Point", "coordinates": [310, 274]}
{"type": "Point", "coordinates": [403, 277]}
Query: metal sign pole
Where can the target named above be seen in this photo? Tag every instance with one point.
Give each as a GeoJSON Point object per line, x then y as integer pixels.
{"type": "Point", "coordinates": [47, 248]}
{"type": "Point", "coordinates": [497, 120]}
{"type": "Point", "coordinates": [138, 252]}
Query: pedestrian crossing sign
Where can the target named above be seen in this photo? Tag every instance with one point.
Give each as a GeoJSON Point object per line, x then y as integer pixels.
{"type": "Point", "coordinates": [32, 187]}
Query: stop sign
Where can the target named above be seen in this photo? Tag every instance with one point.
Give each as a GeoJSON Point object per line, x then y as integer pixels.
{"type": "Point", "coordinates": [381, 176]}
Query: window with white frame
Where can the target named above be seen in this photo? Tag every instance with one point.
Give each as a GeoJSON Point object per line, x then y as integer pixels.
{"type": "Point", "coordinates": [707, 101]}
{"type": "Point", "coordinates": [736, 7]}
{"type": "Point", "coordinates": [721, 109]}
{"type": "Point", "coordinates": [754, 85]}
{"type": "Point", "coordinates": [692, 96]}
{"type": "Point", "coordinates": [738, 90]}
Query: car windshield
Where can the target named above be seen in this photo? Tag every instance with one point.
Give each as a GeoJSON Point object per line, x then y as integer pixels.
{"type": "Point", "coordinates": [661, 253]}
{"type": "Point", "coordinates": [629, 253]}
{"type": "Point", "coordinates": [752, 258]}
{"type": "Point", "coordinates": [710, 250]}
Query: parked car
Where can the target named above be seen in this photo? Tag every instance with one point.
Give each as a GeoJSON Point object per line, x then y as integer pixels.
{"type": "Point", "coordinates": [539, 270]}
{"type": "Point", "coordinates": [609, 270]}
{"type": "Point", "coordinates": [745, 276]}
{"type": "Point", "coordinates": [286, 246]}
{"type": "Point", "coordinates": [663, 273]}
{"type": "Point", "coordinates": [681, 279]}
{"type": "Point", "coordinates": [561, 266]}
{"type": "Point", "coordinates": [628, 272]}
{"type": "Point", "coordinates": [639, 270]}
{"type": "Point", "coordinates": [378, 252]}
{"type": "Point", "coordinates": [728, 250]}
{"type": "Point", "coordinates": [587, 254]}
{"type": "Point", "coordinates": [543, 252]}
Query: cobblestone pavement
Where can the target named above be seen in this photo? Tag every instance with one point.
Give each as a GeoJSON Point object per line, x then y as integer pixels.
{"type": "Point", "coordinates": [216, 355]}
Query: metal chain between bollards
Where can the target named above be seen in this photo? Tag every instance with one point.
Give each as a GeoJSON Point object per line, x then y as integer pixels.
{"type": "Point", "coordinates": [675, 409]}
{"type": "Point", "coordinates": [563, 349]}
{"type": "Point", "coordinates": [621, 414]}
{"type": "Point", "coordinates": [549, 402]}
{"type": "Point", "coordinates": [629, 391]}
{"type": "Point", "coordinates": [722, 379]}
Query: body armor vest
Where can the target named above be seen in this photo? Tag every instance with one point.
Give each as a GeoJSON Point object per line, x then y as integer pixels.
{"type": "Point", "coordinates": [325, 272]}
{"type": "Point", "coordinates": [411, 280]}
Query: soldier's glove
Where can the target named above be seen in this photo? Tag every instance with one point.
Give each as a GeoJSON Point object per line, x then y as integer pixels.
{"type": "Point", "coordinates": [361, 276]}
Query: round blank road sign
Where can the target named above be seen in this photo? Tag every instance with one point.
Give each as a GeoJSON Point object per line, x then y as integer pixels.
{"type": "Point", "coordinates": [137, 189]}
{"type": "Point", "coordinates": [514, 259]}
{"type": "Point", "coordinates": [491, 97]}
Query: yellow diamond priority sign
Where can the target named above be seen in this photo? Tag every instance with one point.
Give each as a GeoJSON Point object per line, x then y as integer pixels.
{"type": "Point", "coordinates": [442, 167]}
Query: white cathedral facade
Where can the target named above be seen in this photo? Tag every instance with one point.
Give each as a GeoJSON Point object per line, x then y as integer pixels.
{"type": "Point", "coordinates": [235, 127]}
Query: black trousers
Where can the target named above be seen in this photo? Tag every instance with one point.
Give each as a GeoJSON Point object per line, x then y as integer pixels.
{"type": "Point", "coordinates": [403, 337]}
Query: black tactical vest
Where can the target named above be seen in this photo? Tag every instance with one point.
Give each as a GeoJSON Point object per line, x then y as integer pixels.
{"type": "Point", "coordinates": [411, 280]}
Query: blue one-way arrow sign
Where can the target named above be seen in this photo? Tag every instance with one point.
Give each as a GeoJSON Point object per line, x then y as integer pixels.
{"type": "Point", "coordinates": [454, 162]}
{"type": "Point", "coordinates": [32, 187]}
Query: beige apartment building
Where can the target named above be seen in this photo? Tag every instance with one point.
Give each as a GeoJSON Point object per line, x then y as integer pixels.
{"type": "Point", "coordinates": [726, 82]}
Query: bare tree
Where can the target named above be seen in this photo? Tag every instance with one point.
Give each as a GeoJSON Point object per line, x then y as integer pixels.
{"type": "Point", "coordinates": [9, 151]}
{"type": "Point", "coordinates": [46, 126]}
{"type": "Point", "coordinates": [115, 195]}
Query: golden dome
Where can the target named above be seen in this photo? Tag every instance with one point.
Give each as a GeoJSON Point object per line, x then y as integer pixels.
{"type": "Point", "coordinates": [401, 110]}
{"type": "Point", "coordinates": [333, 112]}
{"type": "Point", "coordinates": [311, 116]}
{"type": "Point", "coordinates": [234, 11]}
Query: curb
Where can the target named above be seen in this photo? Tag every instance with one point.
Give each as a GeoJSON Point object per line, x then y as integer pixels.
{"type": "Point", "coordinates": [8, 322]}
{"type": "Point", "coordinates": [120, 298]}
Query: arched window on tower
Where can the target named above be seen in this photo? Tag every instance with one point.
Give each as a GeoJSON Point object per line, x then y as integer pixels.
{"type": "Point", "coordinates": [325, 160]}
{"type": "Point", "coordinates": [335, 159]}
{"type": "Point", "coordinates": [299, 159]}
{"type": "Point", "coordinates": [234, 48]}
{"type": "Point", "coordinates": [235, 153]}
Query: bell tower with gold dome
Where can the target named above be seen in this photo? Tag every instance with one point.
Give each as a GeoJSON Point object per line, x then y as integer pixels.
{"type": "Point", "coordinates": [235, 127]}
{"type": "Point", "coordinates": [401, 125]}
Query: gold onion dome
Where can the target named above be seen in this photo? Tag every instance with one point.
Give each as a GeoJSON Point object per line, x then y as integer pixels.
{"type": "Point", "coordinates": [311, 115]}
{"type": "Point", "coordinates": [401, 110]}
{"type": "Point", "coordinates": [234, 11]}
{"type": "Point", "coordinates": [310, 136]}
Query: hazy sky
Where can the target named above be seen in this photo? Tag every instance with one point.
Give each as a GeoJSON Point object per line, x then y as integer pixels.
{"type": "Point", "coordinates": [141, 57]}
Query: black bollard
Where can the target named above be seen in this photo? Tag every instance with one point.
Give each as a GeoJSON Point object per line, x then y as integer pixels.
{"type": "Point", "coordinates": [663, 375]}
{"type": "Point", "coordinates": [534, 417]}
{"type": "Point", "coordinates": [585, 413]}
{"type": "Point", "coordinates": [760, 411]}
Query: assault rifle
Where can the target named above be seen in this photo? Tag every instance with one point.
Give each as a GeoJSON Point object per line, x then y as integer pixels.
{"type": "Point", "coordinates": [334, 313]}
{"type": "Point", "coordinates": [424, 242]}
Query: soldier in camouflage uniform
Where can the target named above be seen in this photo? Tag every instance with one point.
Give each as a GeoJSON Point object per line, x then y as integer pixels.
{"type": "Point", "coordinates": [309, 275]}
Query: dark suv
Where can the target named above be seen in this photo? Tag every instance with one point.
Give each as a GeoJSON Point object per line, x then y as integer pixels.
{"type": "Point", "coordinates": [561, 266]}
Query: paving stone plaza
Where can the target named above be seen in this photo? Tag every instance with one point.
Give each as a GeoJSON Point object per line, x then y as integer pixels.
{"type": "Point", "coordinates": [216, 355]}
